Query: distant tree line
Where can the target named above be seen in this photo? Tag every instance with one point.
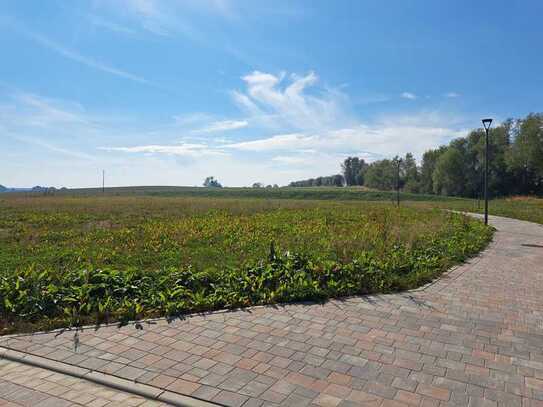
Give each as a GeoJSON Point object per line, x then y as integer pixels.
{"type": "Point", "coordinates": [330, 181]}
{"type": "Point", "coordinates": [37, 188]}
{"type": "Point", "coordinates": [515, 165]}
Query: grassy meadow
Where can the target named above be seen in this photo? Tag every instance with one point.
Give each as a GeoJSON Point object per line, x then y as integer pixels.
{"type": "Point", "coordinates": [77, 258]}
{"type": "Point", "coordinates": [523, 208]}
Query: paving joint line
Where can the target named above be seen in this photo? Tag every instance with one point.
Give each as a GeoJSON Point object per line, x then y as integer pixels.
{"type": "Point", "coordinates": [103, 379]}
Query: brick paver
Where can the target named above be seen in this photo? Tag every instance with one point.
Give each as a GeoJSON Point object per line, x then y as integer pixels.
{"type": "Point", "coordinates": [23, 385]}
{"type": "Point", "coordinates": [473, 338]}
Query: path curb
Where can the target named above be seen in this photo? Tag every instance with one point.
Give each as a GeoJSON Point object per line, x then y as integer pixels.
{"type": "Point", "coordinates": [117, 383]}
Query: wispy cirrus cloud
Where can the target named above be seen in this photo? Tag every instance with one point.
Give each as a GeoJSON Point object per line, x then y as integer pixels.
{"type": "Point", "coordinates": [47, 112]}
{"type": "Point", "coordinates": [104, 23]}
{"type": "Point", "coordinates": [300, 121]}
{"type": "Point", "coordinates": [223, 125]}
{"type": "Point", "coordinates": [376, 140]}
{"type": "Point", "coordinates": [285, 101]}
{"type": "Point", "coordinates": [299, 129]}
{"type": "Point", "coordinates": [45, 124]}
{"type": "Point", "coordinates": [82, 59]}
{"type": "Point", "coordinates": [72, 54]}
{"type": "Point", "coordinates": [182, 149]}
{"type": "Point", "coordinates": [452, 95]}
{"type": "Point", "coordinates": [166, 18]}
{"type": "Point", "coordinates": [199, 123]}
{"type": "Point", "coordinates": [408, 95]}
{"type": "Point", "coordinates": [53, 148]}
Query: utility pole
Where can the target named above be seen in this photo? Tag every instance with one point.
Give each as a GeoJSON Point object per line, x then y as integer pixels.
{"type": "Point", "coordinates": [103, 181]}
{"type": "Point", "coordinates": [486, 124]}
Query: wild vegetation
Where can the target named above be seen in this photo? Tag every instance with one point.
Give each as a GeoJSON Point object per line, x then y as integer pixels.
{"type": "Point", "coordinates": [515, 165]}
{"type": "Point", "coordinates": [71, 260]}
{"type": "Point", "coordinates": [516, 207]}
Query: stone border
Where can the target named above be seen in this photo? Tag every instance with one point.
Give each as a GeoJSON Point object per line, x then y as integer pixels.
{"type": "Point", "coordinates": [114, 382]}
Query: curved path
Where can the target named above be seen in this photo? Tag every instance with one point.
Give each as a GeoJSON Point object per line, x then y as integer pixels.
{"type": "Point", "coordinates": [472, 338]}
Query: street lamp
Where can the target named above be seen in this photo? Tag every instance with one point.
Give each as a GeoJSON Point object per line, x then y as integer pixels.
{"type": "Point", "coordinates": [486, 124]}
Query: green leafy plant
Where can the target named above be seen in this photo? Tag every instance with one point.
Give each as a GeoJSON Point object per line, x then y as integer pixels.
{"type": "Point", "coordinates": [71, 262]}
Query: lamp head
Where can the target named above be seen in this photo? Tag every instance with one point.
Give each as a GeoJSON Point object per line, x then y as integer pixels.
{"type": "Point", "coordinates": [487, 123]}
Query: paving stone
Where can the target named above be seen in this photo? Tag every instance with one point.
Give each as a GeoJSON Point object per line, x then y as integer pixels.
{"type": "Point", "coordinates": [72, 392]}
{"type": "Point", "coordinates": [230, 399]}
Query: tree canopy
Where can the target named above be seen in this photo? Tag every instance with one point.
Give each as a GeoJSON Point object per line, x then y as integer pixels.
{"type": "Point", "coordinates": [211, 182]}
{"type": "Point", "coordinates": [515, 165]}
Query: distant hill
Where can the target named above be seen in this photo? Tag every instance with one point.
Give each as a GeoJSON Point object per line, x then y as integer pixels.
{"type": "Point", "coordinates": [3, 188]}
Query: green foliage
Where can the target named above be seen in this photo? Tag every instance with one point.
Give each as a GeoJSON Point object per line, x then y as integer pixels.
{"type": "Point", "coordinates": [525, 157]}
{"type": "Point", "coordinates": [290, 193]}
{"type": "Point", "coordinates": [515, 164]}
{"type": "Point", "coordinates": [382, 175]}
{"type": "Point", "coordinates": [354, 170]}
{"type": "Point", "coordinates": [523, 208]}
{"type": "Point", "coordinates": [449, 177]}
{"type": "Point", "coordinates": [211, 182]}
{"type": "Point", "coordinates": [329, 181]}
{"type": "Point", "coordinates": [69, 261]}
{"type": "Point", "coordinates": [409, 175]}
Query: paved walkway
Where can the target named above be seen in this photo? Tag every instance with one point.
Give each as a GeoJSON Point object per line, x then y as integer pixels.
{"type": "Point", "coordinates": [23, 385]}
{"type": "Point", "coordinates": [474, 337]}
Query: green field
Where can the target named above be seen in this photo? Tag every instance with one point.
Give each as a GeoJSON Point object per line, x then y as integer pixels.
{"type": "Point", "coordinates": [525, 208]}
{"type": "Point", "coordinates": [78, 258]}
{"type": "Point", "coordinates": [314, 193]}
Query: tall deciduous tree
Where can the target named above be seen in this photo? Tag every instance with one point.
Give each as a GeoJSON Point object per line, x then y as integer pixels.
{"type": "Point", "coordinates": [448, 176]}
{"type": "Point", "coordinates": [381, 175]}
{"type": "Point", "coordinates": [353, 170]}
{"type": "Point", "coordinates": [410, 177]}
{"type": "Point", "coordinates": [525, 158]}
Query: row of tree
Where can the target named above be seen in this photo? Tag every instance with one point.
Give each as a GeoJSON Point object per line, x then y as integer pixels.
{"type": "Point", "coordinates": [515, 165]}
{"type": "Point", "coordinates": [330, 181]}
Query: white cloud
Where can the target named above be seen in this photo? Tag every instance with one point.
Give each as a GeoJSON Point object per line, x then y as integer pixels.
{"type": "Point", "coordinates": [320, 119]}
{"type": "Point", "coordinates": [275, 143]}
{"type": "Point", "coordinates": [183, 149]}
{"type": "Point", "coordinates": [408, 95]}
{"type": "Point", "coordinates": [452, 95]}
{"type": "Point", "coordinates": [375, 141]}
{"type": "Point", "coordinates": [300, 130]}
{"type": "Point", "coordinates": [293, 102]}
{"type": "Point", "coordinates": [202, 123]}
{"type": "Point", "coordinates": [223, 125]}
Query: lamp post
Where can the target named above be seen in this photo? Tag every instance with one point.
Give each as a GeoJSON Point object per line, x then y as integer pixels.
{"type": "Point", "coordinates": [486, 124]}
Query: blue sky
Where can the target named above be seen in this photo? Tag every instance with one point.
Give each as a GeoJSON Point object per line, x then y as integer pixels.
{"type": "Point", "coordinates": [165, 92]}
